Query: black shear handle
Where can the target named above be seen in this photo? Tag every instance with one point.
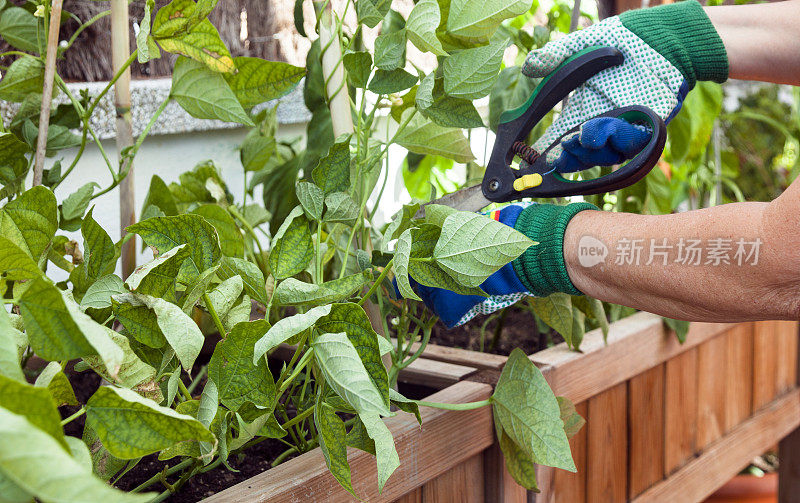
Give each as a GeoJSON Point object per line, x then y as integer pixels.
{"type": "Point", "coordinates": [555, 185]}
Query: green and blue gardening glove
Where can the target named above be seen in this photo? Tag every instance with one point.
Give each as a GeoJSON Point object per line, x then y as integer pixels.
{"type": "Point", "coordinates": [539, 271]}
{"type": "Point", "coordinates": [667, 50]}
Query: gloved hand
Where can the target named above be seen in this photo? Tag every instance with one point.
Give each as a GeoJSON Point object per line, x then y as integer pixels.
{"type": "Point", "coordinates": [667, 49]}
{"type": "Point", "coordinates": [539, 271]}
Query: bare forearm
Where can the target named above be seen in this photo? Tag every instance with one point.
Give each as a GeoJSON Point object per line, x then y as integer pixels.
{"type": "Point", "coordinates": [762, 40]}
{"type": "Point", "coordinates": [675, 284]}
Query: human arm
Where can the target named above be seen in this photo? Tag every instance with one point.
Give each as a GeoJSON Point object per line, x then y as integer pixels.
{"type": "Point", "coordinates": [768, 289]}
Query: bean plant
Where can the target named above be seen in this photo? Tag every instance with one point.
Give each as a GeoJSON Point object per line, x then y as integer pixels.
{"type": "Point", "coordinates": [307, 272]}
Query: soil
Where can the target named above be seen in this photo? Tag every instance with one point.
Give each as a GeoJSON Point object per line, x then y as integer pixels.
{"type": "Point", "coordinates": [515, 328]}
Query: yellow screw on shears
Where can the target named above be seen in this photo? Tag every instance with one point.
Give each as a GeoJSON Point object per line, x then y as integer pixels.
{"type": "Point", "coordinates": [527, 182]}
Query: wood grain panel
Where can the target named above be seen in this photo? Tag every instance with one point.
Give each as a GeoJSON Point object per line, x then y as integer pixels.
{"type": "Point", "coordinates": [786, 378]}
{"type": "Point", "coordinates": [571, 487]}
{"type": "Point", "coordinates": [463, 483]}
{"type": "Point", "coordinates": [727, 456]}
{"type": "Point", "coordinates": [680, 413]}
{"type": "Point", "coordinates": [765, 363]}
{"type": "Point", "coordinates": [498, 484]}
{"type": "Point", "coordinates": [646, 430]}
{"type": "Point", "coordinates": [607, 447]}
{"type": "Point", "coordinates": [739, 372]}
{"type": "Point", "coordinates": [712, 359]}
{"type": "Point", "coordinates": [414, 496]}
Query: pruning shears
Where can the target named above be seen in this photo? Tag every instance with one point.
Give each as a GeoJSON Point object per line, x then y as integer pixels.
{"type": "Point", "coordinates": [502, 183]}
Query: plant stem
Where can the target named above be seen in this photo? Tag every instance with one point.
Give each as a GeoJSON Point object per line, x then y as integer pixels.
{"type": "Point", "coordinates": [71, 418]}
{"type": "Point", "coordinates": [214, 315]}
{"type": "Point", "coordinates": [300, 365]}
{"type": "Point", "coordinates": [184, 391]}
{"type": "Point", "coordinates": [233, 210]}
{"type": "Point", "coordinates": [169, 471]}
{"type": "Point", "coordinates": [196, 381]}
{"type": "Point", "coordinates": [456, 406]}
{"type": "Point", "coordinates": [377, 282]}
{"type": "Point", "coordinates": [84, 26]}
{"type": "Point", "coordinates": [296, 419]}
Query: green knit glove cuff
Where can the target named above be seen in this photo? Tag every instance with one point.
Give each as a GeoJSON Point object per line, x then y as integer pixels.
{"type": "Point", "coordinates": [541, 268]}
{"type": "Point", "coordinates": [683, 34]}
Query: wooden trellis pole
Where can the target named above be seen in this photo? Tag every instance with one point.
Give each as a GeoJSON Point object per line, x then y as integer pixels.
{"type": "Point", "coordinates": [47, 90]}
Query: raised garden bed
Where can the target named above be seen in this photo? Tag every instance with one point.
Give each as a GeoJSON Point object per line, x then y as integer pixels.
{"type": "Point", "coordinates": [680, 418]}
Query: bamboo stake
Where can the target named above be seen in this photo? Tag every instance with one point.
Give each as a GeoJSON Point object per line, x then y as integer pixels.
{"type": "Point", "coordinates": [120, 52]}
{"type": "Point", "coordinates": [47, 89]}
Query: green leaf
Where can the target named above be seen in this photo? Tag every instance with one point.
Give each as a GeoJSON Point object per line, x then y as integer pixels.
{"type": "Point", "coordinates": [510, 90]}
{"type": "Point", "coordinates": [529, 413]}
{"type": "Point", "coordinates": [99, 294]}
{"type": "Point", "coordinates": [20, 28]}
{"type": "Point", "coordinates": [12, 149]}
{"type": "Point", "coordinates": [594, 309]}
{"type": "Point", "coordinates": [312, 199]}
{"type": "Point", "coordinates": [333, 443]}
{"type": "Point", "coordinates": [238, 313]}
{"type": "Point", "coordinates": [175, 17]}
{"type": "Point", "coordinates": [470, 73]}
{"type": "Point", "coordinates": [357, 437]}
{"type": "Point", "coordinates": [340, 208]}
{"type": "Point", "coordinates": [231, 242]}
{"type": "Point", "coordinates": [425, 137]}
{"type": "Point", "coordinates": [391, 81]}
{"type": "Point", "coordinates": [372, 12]}
{"type": "Point", "coordinates": [159, 196]}
{"type": "Point", "coordinates": [421, 27]}
{"type": "Point", "coordinates": [401, 221]}
{"type": "Point", "coordinates": [157, 277]}
{"type": "Point", "coordinates": [471, 19]}
{"type": "Point", "coordinates": [55, 381]}
{"type": "Point", "coordinates": [25, 76]}
{"type": "Point", "coordinates": [390, 50]}
{"type": "Point", "coordinates": [15, 263]}
{"type": "Point", "coordinates": [518, 463]}
{"type": "Point", "coordinates": [472, 247]}
{"type": "Point", "coordinates": [255, 215]}
{"type": "Point", "coordinates": [225, 295]}
{"type": "Point", "coordinates": [35, 462]}
{"type": "Point", "coordinates": [30, 221]}
{"type": "Point", "coordinates": [258, 148]}
{"type": "Point", "coordinates": [140, 322]}
{"type": "Point", "coordinates": [142, 46]}
{"type": "Point", "coordinates": [332, 173]}
{"type": "Point", "coordinates": [133, 372]}
{"type": "Point", "coordinates": [286, 328]}
{"type": "Point", "coordinates": [680, 327]}
{"type": "Point", "coordinates": [257, 80]}
{"type": "Point", "coordinates": [165, 233]}
{"type": "Point", "coordinates": [251, 277]}
{"type": "Point", "coordinates": [351, 319]}
{"type": "Point", "coordinates": [195, 290]}
{"type": "Point", "coordinates": [59, 330]}
{"type": "Point", "coordinates": [556, 311]}
{"type": "Point", "coordinates": [298, 293]}
{"type": "Point", "coordinates": [34, 403]}
{"type": "Point", "coordinates": [10, 352]}
{"type": "Point", "coordinates": [385, 451]}
{"type": "Point", "coordinates": [402, 258]}
{"type": "Point", "coordinates": [203, 44]}
{"type": "Point", "coordinates": [443, 109]}
{"type": "Point", "coordinates": [74, 206]}
{"type": "Point", "coordinates": [358, 66]}
{"type": "Point", "coordinates": [100, 257]}
{"type": "Point", "coordinates": [404, 404]}
{"type": "Point", "coordinates": [204, 94]}
{"type": "Point", "coordinates": [197, 409]}
{"type": "Point", "coordinates": [180, 330]}
{"type": "Point", "coordinates": [131, 426]}
{"type": "Point", "coordinates": [232, 368]}
{"type": "Point", "coordinates": [345, 373]}
{"type": "Point", "coordinates": [11, 492]}
{"type": "Point", "coordinates": [573, 422]}
{"type": "Point", "coordinates": [292, 247]}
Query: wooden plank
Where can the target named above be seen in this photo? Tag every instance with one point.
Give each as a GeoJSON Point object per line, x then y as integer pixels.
{"type": "Point", "coordinates": [606, 454]}
{"type": "Point", "coordinates": [646, 430]}
{"type": "Point", "coordinates": [414, 496]}
{"type": "Point", "coordinates": [434, 374]}
{"type": "Point", "coordinates": [739, 375]}
{"type": "Point", "coordinates": [571, 487]}
{"type": "Point", "coordinates": [765, 359]}
{"type": "Point", "coordinates": [445, 440]}
{"type": "Point", "coordinates": [787, 355]}
{"type": "Point", "coordinates": [462, 356]}
{"type": "Point", "coordinates": [498, 484]}
{"type": "Point", "coordinates": [789, 468]}
{"type": "Point", "coordinates": [680, 412]}
{"type": "Point", "coordinates": [461, 483]}
{"type": "Point", "coordinates": [712, 358]}
{"type": "Point", "coordinates": [727, 456]}
{"type": "Point", "coordinates": [635, 344]}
